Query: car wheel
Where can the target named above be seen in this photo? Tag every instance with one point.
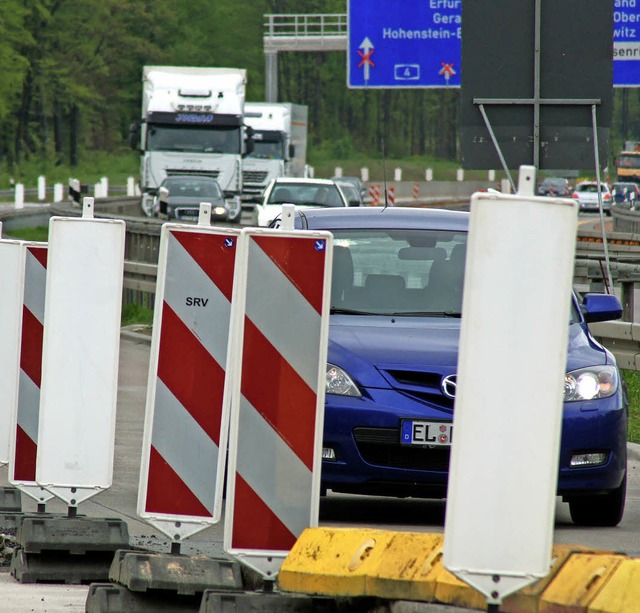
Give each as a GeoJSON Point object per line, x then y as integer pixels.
{"type": "Point", "coordinates": [599, 510]}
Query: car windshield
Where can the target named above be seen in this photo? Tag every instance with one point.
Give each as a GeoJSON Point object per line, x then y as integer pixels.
{"type": "Point", "coordinates": [398, 272]}
{"type": "Point", "coordinates": [306, 194]}
{"type": "Point", "coordinates": [591, 188]}
{"type": "Point", "coordinates": [193, 188]}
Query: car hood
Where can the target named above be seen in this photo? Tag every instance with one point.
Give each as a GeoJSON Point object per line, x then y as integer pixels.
{"type": "Point", "coordinates": [366, 346]}
{"type": "Point", "coordinates": [177, 201]}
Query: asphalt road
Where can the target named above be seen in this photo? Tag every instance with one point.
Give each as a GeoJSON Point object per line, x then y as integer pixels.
{"type": "Point", "coordinates": [336, 510]}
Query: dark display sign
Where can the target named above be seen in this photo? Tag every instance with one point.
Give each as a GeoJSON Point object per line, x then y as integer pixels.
{"type": "Point", "coordinates": [576, 46]}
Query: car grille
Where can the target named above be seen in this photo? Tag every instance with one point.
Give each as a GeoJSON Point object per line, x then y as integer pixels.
{"type": "Point", "coordinates": [421, 386]}
{"type": "Point", "coordinates": [254, 176]}
{"type": "Point", "coordinates": [177, 172]}
{"type": "Point", "coordinates": [381, 446]}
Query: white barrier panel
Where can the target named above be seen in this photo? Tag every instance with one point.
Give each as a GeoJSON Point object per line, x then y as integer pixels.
{"type": "Point", "coordinates": [26, 414]}
{"type": "Point", "coordinates": [12, 284]}
{"type": "Point", "coordinates": [182, 471]}
{"type": "Point", "coordinates": [279, 339]}
{"type": "Point", "coordinates": [508, 409]}
{"type": "Point", "coordinates": [80, 355]}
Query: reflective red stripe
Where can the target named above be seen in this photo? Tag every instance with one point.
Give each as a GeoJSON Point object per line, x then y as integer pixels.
{"type": "Point", "coordinates": [162, 480]}
{"type": "Point", "coordinates": [210, 253]}
{"type": "Point", "coordinates": [278, 393]}
{"type": "Point", "coordinates": [190, 373]}
{"type": "Point", "coordinates": [31, 346]}
{"type": "Point", "coordinates": [25, 457]}
{"type": "Point", "coordinates": [40, 254]}
{"type": "Point", "coordinates": [255, 526]}
{"type": "Point", "coordinates": [292, 258]}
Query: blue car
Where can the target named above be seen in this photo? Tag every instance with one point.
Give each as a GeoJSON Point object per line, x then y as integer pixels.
{"type": "Point", "coordinates": [393, 352]}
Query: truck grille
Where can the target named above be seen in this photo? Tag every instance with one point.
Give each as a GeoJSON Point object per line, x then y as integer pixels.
{"type": "Point", "coordinates": [381, 446]}
{"type": "Point", "coordinates": [174, 172]}
{"type": "Point", "coordinates": [254, 176]}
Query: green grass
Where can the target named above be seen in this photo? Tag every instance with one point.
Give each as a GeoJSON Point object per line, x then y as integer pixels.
{"type": "Point", "coordinates": [39, 233]}
{"type": "Point", "coordinates": [632, 379]}
{"type": "Point", "coordinates": [136, 314]}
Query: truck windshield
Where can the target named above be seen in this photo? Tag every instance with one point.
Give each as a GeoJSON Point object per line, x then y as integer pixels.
{"type": "Point", "coordinates": [629, 160]}
{"type": "Point", "coordinates": [209, 139]}
{"type": "Point", "coordinates": [266, 150]}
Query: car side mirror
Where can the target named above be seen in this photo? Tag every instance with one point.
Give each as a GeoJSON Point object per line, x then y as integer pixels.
{"type": "Point", "coordinates": [354, 202]}
{"type": "Point", "coordinates": [601, 307]}
{"type": "Point", "coordinates": [292, 151]}
{"type": "Point", "coordinates": [134, 135]}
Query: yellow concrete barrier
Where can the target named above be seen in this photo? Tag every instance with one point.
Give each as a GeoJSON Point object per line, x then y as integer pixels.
{"type": "Point", "coordinates": [578, 582]}
{"type": "Point", "coordinates": [333, 561]}
{"type": "Point", "coordinates": [621, 593]}
{"type": "Point", "coordinates": [408, 568]}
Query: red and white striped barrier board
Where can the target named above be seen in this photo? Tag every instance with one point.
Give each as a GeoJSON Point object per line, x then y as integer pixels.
{"type": "Point", "coordinates": [24, 430]}
{"type": "Point", "coordinates": [80, 350]}
{"type": "Point", "coordinates": [185, 437]}
{"type": "Point", "coordinates": [12, 284]}
{"type": "Point", "coordinates": [374, 193]}
{"type": "Point", "coordinates": [279, 338]}
{"type": "Point", "coordinates": [416, 191]}
{"type": "Point", "coordinates": [391, 196]}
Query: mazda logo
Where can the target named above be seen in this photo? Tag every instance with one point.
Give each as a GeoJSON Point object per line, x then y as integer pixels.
{"type": "Point", "coordinates": [448, 386]}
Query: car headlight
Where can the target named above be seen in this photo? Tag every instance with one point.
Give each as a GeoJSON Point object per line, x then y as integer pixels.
{"type": "Point", "coordinates": [590, 383]}
{"type": "Point", "coordinates": [339, 382]}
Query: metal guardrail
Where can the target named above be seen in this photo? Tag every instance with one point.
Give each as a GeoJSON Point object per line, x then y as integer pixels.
{"type": "Point", "coordinates": [304, 25]}
{"type": "Point", "coordinates": [143, 240]}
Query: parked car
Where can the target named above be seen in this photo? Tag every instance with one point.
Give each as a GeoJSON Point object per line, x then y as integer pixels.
{"type": "Point", "coordinates": [393, 353]}
{"type": "Point", "coordinates": [586, 194]}
{"type": "Point", "coordinates": [352, 181]}
{"type": "Point", "coordinates": [625, 195]}
{"type": "Point", "coordinates": [351, 193]}
{"type": "Point", "coordinates": [555, 186]}
{"type": "Point", "coordinates": [179, 198]}
{"type": "Point", "coordinates": [319, 193]}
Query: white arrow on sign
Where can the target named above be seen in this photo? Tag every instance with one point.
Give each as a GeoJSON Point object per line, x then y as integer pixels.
{"type": "Point", "coordinates": [367, 49]}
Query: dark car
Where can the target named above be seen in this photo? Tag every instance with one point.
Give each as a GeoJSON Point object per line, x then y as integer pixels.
{"type": "Point", "coordinates": [393, 353]}
{"type": "Point", "coordinates": [179, 198]}
{"type": "Point", "coordinates": [555, 186]}
{"type": "Point", "coordinates": [625, 194]}
{"type": "Point", "coordinates": [351, 193]}
{"type": "Point", "coordinates": [357, 183]}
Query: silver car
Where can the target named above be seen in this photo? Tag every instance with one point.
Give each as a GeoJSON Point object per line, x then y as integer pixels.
{"type": "Point", "coordinates": [586, 194]}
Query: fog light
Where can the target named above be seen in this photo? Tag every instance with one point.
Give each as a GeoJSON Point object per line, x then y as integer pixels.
{"type": "Point", "coordinates": [219, 210]}
{"type": "Point", "coordinates": [328, 454]}
{"type": "Point", "coordinates": [588, 459]}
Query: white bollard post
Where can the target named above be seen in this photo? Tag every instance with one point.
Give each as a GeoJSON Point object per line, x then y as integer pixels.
{"type": "Point", "coordinates": [42, 187]}
{"type": "Point", "coordinates": [131, 187]}
{"type": "Point", "coordinates": [397, 174]}
{"type": "Point", "coordinates": [428, 175]}
{"type": "Point", "coordinates": [337, 172]}
{"type": "Point", "coordinates": [364, 174]}
{"type": "Point", "coordinates": [505, 186]}
{"type": "Point", "coordinates": [492, 175]}
{"type": "Point", "coordinates": [460, 174]}
{"type": "Point", "coordinates": [97, 190]}
{"type": "Point", "coordinates": [312, 172]}
{"type": "Point", "coordinates": [58, 192]}
{"type": "Point", "coordinates": [104, 182]}
{"type": "Point", "coordinates": [19, 196]}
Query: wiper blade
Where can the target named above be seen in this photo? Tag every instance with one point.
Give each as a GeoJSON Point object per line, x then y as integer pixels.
{"type": "Point", "coordinates": [453, 314]}
{"type": "Point", "coordinates": [337, 311]}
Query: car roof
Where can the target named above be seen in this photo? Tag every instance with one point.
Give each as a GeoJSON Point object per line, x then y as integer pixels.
{"type": "Point", "coordinates": [383, 218]}
{"type": "Point", "coordinates": [303, 180]}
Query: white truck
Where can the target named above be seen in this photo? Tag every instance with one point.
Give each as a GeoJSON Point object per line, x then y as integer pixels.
{"type": "Point", "coordinates": [279, 132]}
{"type": "Point", "coordinates": [192, 123]}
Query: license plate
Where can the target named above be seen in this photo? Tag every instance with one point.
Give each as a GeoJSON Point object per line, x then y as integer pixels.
{"type": "Point", "coordinates": [418, 432]}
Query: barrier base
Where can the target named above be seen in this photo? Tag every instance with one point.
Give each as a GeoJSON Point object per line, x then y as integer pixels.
{"type": "Point", "coordinates": [59, 567]}
{"type": "Point", "coordinates": [186, 575]}
{"type": "Point", "coordinates": [256, 602]}
{"type": "Point", "coordinates": [10, 500]}
{"type": "Point", "coordinates": [77, 535]}
{"type": "Point", "coordinates": [112, 598]}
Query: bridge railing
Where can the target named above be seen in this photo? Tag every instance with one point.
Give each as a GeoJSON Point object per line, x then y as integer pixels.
{"type": "Point", "coordinates": [303, 25]}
